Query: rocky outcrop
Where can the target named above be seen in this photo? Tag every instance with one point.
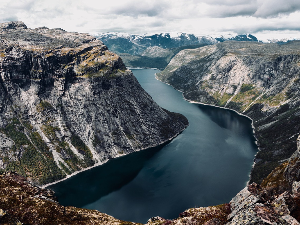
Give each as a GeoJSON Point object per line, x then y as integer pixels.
{"type": "Point", "coordinates": [21, 202]}
{"type": "Point", "coordinates": [254, 205]}
{"type": "Point", "coordinates": [256, 79]}
{"type": "Point", "coordinates": [67, 103]}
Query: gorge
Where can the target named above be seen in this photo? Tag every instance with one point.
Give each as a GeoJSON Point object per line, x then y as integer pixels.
{"type": "Point", "coordinates": [69, 104]}
{"type": "Point", "coordinates": [198, 168]}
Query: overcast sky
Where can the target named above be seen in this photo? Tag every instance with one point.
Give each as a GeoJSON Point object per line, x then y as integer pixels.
{"type": "Point", "coordinates": [263, 18]}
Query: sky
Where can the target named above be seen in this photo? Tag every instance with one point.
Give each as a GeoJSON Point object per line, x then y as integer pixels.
{"type": "Point", "coordinates": [266, 19]}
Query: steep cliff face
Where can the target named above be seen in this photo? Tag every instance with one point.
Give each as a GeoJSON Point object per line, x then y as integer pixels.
{"type": "Point", "coordinates": [68, 103]}
{"type": "Point", "coordinates": [256, 79]}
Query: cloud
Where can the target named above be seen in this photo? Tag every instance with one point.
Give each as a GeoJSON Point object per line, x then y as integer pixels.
{"type": "Point", "coordinates": [273, 8]}
{"type": "Point", "coordinates": [202, 17]}
{"type": "Point", "coordinates": [255, 8]}
{"type": "Point", "coordinates": [135, 8]}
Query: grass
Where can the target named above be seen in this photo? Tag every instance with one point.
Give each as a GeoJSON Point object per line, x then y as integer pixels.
{"type": "Point", "coordinates": [49, 131]}
{"type": "Point", "coordinates": [246, 87]}
{"type": "Point", "coordinates": [83, 149]}
{"type": "Point", "coordinates": [273, 100]}
{"type": "Point", "coordinates": [221, 100]}
{"type": "Point", "coordinates": [43, 106]}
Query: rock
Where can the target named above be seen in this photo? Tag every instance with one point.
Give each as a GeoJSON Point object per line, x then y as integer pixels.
{"type": "Point", "coordinates": [290, 220]}
{"type": "Point", "coordinates": [67, 103]}
{"type": "Point", "coordinates": [256, 79]}
{"type": "Point", "coordinates": [213, 221]}
{"type": "Point", "coordinates": [283, 204]}
{"type": "Point", "coordinates": [25, 203]}
{"type": "Point", "coordinates": [296, 189]}
{"type": "Point", "coordinates": [243, 200]}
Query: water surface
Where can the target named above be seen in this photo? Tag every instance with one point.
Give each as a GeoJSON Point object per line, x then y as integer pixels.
{"type": "Point", "coordinates": [207, 164]}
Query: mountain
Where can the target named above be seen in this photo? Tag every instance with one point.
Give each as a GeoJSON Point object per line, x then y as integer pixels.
{"type": "Point", "coordinates": [256, 79]}
{"type": "Point", "coordinates": [156, 51]}
{"type": "Point", "coordinates": [241, 37]}
{"type": "Point", "coordinates": [68, 103]}
{"type": "Point", "coordinates": [137, 44]}
{"type": "Point", "coordinates": [260, 81]}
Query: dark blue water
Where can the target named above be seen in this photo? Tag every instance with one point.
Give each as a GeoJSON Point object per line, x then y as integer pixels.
{"type": "Point", "coordinates": [205, 165]}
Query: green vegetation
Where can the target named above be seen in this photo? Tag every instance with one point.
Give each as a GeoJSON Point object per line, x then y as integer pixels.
{"type": "Point", "coordinates": [246, 87]}
{"type": "Point", "coordinates": [129, 136]}
{"type": "Point", "coordinates": [276, 178]}
{"type": "Point", "coordinates": [246, 96]}
{"type": "Point", "coordinates": [35, 161]}
{"type": "Point", "coordinates": [65, 168]}
{"type": "Point", "coordinates": [83, 149]}
{"type": "Point", "coordinates": [273, 100]}
{"type": "Point", "coordinates": [43, 106]}
{"type": "Point", "coordinates": [221, 100]}
{"type": "Point", "coordinates": [49, 131]}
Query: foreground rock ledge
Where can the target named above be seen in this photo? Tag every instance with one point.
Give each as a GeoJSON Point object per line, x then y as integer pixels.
{"type": "Point", "coordinates": [23, 202]}
{"type": "Point", "coordinates": [67, 103]}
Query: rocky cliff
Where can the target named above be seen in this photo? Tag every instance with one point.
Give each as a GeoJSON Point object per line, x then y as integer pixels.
{"type": "Point", "coordinates": [67, 103]}
{"type": "Point", "coordinates": [256, 79]}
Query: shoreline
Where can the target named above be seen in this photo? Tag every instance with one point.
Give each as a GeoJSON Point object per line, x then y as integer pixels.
{"type": "Point", "coordinates": [221, 107]}
{"type": "Point", "coordinates": [117, 156]}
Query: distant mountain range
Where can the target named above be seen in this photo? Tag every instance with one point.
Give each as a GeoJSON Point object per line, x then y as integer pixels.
{"type": "Point", "coordinates": [157, 50]}
{"type": "Point", "coordinates": [137, 44]}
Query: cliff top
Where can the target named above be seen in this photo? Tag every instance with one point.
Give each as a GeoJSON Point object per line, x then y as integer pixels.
{"type": "Point", "coordinates": [17, 33]}
{"type": "Point", "coordinates": [28, 53]}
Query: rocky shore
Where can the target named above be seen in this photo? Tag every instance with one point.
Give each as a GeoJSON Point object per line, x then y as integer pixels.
{"type": "Point", "coordinates": [255, 79]}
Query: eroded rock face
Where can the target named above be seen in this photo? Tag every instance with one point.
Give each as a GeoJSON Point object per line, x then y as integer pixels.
{"type": "Point", "coordinates": [256, 205]}
{"type": "Point", "coordinates": [68, 103]}
{"type": "Point", "coordinates": [256, 79]}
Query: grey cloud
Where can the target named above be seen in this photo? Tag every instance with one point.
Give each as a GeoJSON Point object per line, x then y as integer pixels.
{"type": "Point", "coordinates": [273, 8]}
{"type": "Point", "coordinates": [231, 8]}
{"type": "Point", "coordinates": [10, 18]}
{"type": "Point", "coordinates": [232, 11]}
{"type": "Point", "coordinates": [255, 8]}
{"type": "Point", "coordinates": [228, 2]}
{"type": "Point", "coordinates": [136, 8]}
{"type": "Point", "coordinates": [21, 5]}
{"type": "Point", "coordinates": [267, 26]}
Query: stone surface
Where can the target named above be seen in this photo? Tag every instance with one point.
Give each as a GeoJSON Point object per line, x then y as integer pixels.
{"type": "Point", "coordinates": [67, 103]}
{"type": "Point", "coordinates": [21, 202]}
{"type": "Point", "coordinates": [256, 79]}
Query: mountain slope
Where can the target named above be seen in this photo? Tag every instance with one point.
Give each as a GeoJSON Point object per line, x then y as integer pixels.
{"type": "Point", "coordinates": [156, 51]}
{"type": "Point", "coordinates": [67, 103]}
{"type": "Point", "coordinates": [256, 79]}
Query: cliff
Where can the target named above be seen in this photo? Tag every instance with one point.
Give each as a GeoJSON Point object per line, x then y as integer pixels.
{"type": "Point", "coordinates": [258, 80]}
{"type": "Point", "coordinates": [68, 103]}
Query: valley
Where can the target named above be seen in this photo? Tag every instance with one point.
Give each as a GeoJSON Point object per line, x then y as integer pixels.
{"type": "Point", "coordinates": [69, 104]}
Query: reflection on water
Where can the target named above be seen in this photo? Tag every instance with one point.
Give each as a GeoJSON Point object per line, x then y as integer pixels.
{"type": "Point", "coordinates": [229, 120]}
{"type": "Point", "coordinates": [97, 182]}
{"type": "Point", "coordinates": [205, 165]}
